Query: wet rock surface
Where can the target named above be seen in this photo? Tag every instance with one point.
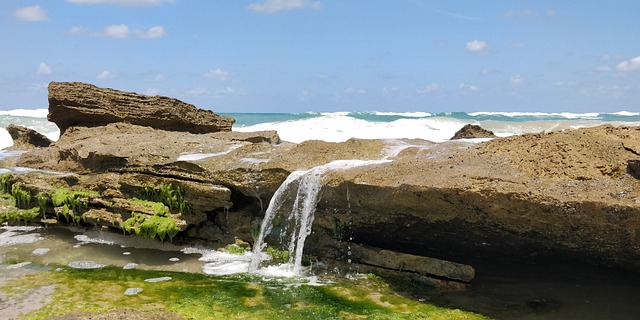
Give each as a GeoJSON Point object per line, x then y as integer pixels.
{"type": "Point", "coordinates": [572, 194]}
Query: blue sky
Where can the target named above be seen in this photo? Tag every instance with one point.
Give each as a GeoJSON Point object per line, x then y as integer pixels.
{"type": "Point", "coordinates": [330, 55]}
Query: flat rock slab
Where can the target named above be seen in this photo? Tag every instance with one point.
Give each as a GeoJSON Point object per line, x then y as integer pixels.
{"type": "Point", "coordinates": [80, 104]}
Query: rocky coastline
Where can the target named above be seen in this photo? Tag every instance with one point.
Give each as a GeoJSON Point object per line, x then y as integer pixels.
{"type": "Point", "coordinates": [570, 195]}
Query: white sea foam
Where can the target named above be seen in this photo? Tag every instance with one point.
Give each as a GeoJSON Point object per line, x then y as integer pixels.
{"type": "Point", "coordinates": [626, 113]}
{"type": "Point", "coordinates": [13, 236]}
{"type": "Point", "coordinates": [40, 251]}
{"type": "Point", "coordinates": [200, 156]}
{"type": "Point", "coordinates": [85, 264]}
{"type": "Point", "coordinates": [34, 113]}
{"type": "Point", "coordinates": [84, 239]}
{"type": "Point", "coordinates": [567, 115]}
{"type": "Point", "coordinates": [338, 127]}
{"type": "Point", "coordinates": [225, 268]}
{"type": "Point", "coordinates": [405, 114]}
{"type": "Point", "coordinates": [341, 126]}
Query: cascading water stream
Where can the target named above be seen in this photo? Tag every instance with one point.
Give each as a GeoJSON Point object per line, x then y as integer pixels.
{"type": "Point", "coordinates": [300, 214]}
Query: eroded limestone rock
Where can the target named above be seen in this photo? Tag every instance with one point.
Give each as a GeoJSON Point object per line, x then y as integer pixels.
{"type": "Point", "coordinates": [80, 104]}
{"type": "Point", "coordinates": [25, 138]}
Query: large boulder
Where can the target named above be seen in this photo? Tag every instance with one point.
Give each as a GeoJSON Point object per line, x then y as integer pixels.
{"type": "Point", "coordinates": [80, 104]}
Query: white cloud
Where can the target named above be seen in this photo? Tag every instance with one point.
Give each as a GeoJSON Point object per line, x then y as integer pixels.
{"type": "Point", "coordinates": [528, 12]}
{"type": "Point", "coordinates": [31, 14]}
{"type": "Point", "coordinates": [153, 33]}
{"type": "Point", "coordinates": [126, 3]}
{"type": "Point", "coordinates": [352, 90]}
{"type": "Point", "coordinates": [632, 64]}
{"type": "Point", "coordinates": [386, 91]}
{"type": "Point", "coordinates": [466, 88]}
{"type": "Point", "coordinates": [106, 74]}
{"type": "Point", "coordinates": [304, 96]}
{"type": "Point", "coordinates": [477, 46]}
{"type": "Point", "coordinates": [565, 84]}
{"type": "Point", "coordinates": [273, 6]}
{"type": "Point", "coordinates": [221, 93]}
{"type": "Point", "coordinates": [152, 92]}
{"type": "Point", "coordinates": [198, 91]}
{"type": "Point", "coordinates": [158, 77]}
{"type": "Point", "coordinates": [516, 80]}
{"type": "Point", "coordinates": [44, 69]}
{"type": "Point", "coordinates": [120, 31]}
{"type": "Point", "coordinates": [612, 91]}
{"type": "Point", "coordinates": [217, 74]}
{"type": "Point", "coordinates": [432, 87]}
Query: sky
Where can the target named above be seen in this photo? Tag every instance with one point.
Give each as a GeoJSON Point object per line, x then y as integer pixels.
{"type": "Point", "coordinates": [330, 55]}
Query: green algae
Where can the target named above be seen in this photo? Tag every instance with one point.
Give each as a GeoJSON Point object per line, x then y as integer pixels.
{"type": "Point", "coordinates": [162, 200]}
{"type": "Point", "coordinates": [169, 194]}
{"type": "Point", "coordinates": [150, 226]}
{"type": "Point", "coordinates": [69, 203]}
{"type": "Point", "coordinates": [196, 296]}
{"type": "Point", "coordinates": [15, 215]}
{"type": "Point", "coordinates": [15, 201]}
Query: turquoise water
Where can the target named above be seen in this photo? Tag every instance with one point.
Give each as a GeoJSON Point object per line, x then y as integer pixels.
{"type": "Point", "coordinates": [250, 119]}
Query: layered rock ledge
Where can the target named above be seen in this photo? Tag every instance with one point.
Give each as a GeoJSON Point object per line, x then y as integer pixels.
{"type": "Point", "coordinates": [80, 104]}
{"type": "Point", "coordinates": [565, 195]}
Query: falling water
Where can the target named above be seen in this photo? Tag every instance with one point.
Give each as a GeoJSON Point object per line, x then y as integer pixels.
{"type": "Point", "coordinates": [300, 214]}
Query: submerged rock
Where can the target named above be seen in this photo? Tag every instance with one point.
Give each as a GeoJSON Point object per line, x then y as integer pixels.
{"type": "Point", "coordinates": [86, 264]}
{"type": "Point", "coordinates": [132, 291]}
{"type": "Point", "coordinates": [80, 104]}
{"type": "Point", "coordinates": [160, 279]}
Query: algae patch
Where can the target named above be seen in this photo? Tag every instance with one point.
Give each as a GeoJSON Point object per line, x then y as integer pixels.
{"type": "Point", "coordinates": [196, 296]}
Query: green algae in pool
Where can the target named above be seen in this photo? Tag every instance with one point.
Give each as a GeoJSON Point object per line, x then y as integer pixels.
{"type": "Point", "coordinates": [196, 296]}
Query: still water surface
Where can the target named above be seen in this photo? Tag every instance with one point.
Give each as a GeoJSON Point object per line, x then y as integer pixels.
{"type": "Point", "coordinates": [560, 291]}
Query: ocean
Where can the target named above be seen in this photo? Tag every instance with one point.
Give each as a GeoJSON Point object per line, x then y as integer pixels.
{"type": "Point", "coordinates": [341, 126]}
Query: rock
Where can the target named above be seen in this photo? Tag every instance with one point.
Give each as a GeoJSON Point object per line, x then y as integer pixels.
{"type": "Point", "coordinates": [569, 194]}
{"type": "Point", "coordinates": [472, 131]}
{"type": "Point", "coordinates": [411, 263]}
{"type": "Point", "coordinates": [80, 104]}
{"type": "Point", "coordinates": [132, 291]}
{"type": "Point", "coordinates": [25, 138]}
{"type": "Point", "coordinates": [633, 167]}
{"type": "Point", "coordinates": [522, 198]}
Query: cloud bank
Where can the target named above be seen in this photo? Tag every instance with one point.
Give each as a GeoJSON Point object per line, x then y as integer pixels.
{"type": "Point", "coordinates": [121, 31]}
{"type": "Point", "coordinates": [632, 64]}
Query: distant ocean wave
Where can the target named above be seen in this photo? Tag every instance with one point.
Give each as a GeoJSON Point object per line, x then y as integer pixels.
{"type": "Point", "coordinates": [341, 126]}
{"type": "Point", "coordinates": [437, 127]}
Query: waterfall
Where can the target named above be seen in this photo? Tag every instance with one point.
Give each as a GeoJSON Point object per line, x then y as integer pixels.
{"type": "Point", "coordinates": [299, 210]}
